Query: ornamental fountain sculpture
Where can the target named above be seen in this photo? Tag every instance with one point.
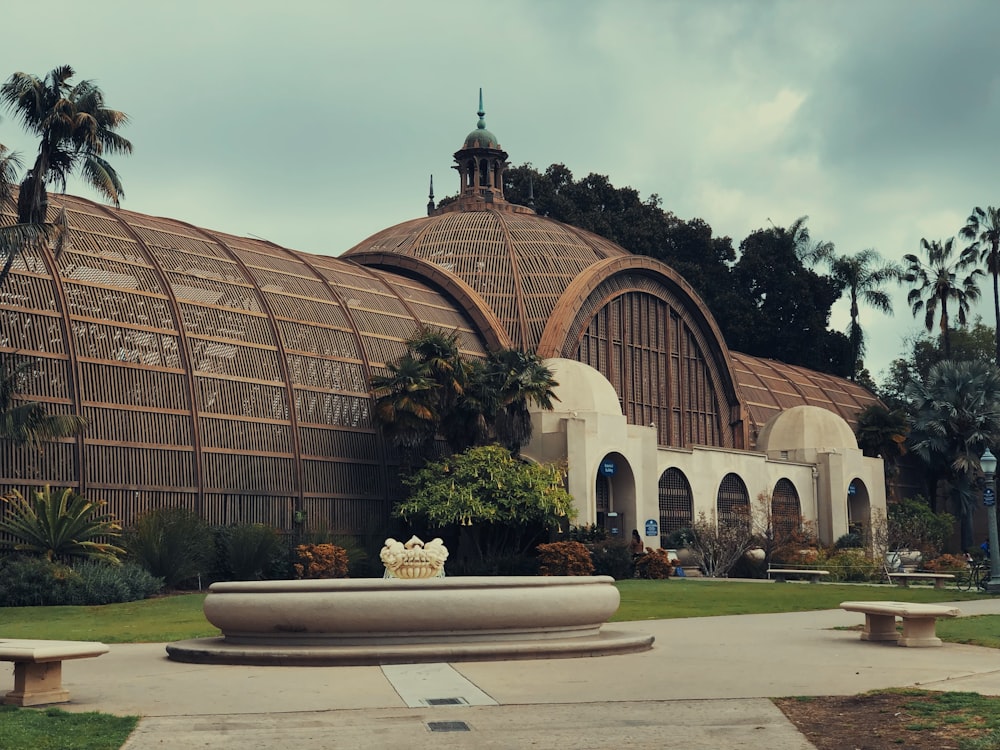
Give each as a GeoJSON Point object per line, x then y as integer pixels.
{"type": "Point", "coordinates": [414, 559]}
{"type": "Point", "coordinates": [413, 614]}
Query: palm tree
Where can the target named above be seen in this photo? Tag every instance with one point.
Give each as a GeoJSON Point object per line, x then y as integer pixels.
{"type": "Point", "coordinates": [863, 276]}
{"type": "Point", "coordinates": [983, 228]}
{"type": "Point", "coordinates": [27, 422]}
{"type": "Point", "coordinates": [882, 432]}
{"type": "Point", "coordinates": [75, 131]}
{"type": "Point", "coordinates": [955, 417]}
{"type": "Point", "coordinates": [519, 379]}
{"type": "Point", "coordinates": [406, 407]}
{"type": "Point", "coordinates": [936, 283]}
{"type": "Point", "coordinates": [808, 252]}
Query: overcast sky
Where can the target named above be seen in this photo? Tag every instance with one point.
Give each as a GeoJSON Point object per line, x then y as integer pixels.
{"type": "Point", "coordinates": [314, 124]}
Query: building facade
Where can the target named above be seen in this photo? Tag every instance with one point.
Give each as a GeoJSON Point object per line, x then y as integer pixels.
{"type": "Point", "coordinates": [231, 376]}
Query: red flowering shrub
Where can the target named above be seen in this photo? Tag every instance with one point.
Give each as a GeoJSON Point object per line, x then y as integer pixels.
{"type": "Point", "coordinates": [564, 559]}
{"type": "Point", "coordinates": [320, 561]}
{"type": "Point", "coordinates": [656, 563]}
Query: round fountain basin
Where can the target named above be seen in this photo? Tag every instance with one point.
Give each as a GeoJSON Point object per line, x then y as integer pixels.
{"type": "Point", "coordinates": [372, 621]}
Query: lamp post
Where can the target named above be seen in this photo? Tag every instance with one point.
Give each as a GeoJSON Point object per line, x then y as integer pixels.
{"type": "Point", "coordinates": [988, 462]}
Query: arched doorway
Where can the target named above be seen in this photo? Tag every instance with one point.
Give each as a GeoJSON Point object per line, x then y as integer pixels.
{"type": "Point", "coordinates": [615, 496]}
{"type": "Point", "coordinates": [858, 508]}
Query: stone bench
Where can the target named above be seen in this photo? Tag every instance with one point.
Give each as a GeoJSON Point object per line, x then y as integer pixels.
{"type": "Point", "coordinates": [783, 574]}
{"type": "Point", "coordinates": [903, 579]}
{"type": "Point", "coordinates": [38, 668]}
{"type": "Point", "coordinates": [919, 621]}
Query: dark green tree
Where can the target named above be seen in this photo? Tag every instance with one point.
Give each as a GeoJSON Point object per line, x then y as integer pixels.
{"type": "Point", "coordinates": [955, 416]}
{"type": "Point", "coordinates": [640, 226]}
{"type": "Point", "coordinates": [971, 343]}
{"type": "Point", "coordinates": [518, 379]}
{"type": "Point", "coordinates": [863, 277]}
{"type": "Point", "coordinates": [937, 284]}
{"type": "Point", "coordinates": [983, 228]}
{"type": "Point", "coordinates": [27, 422]}
{"type": "Point", "coordinates": [503, 503]}
{"type": "Point", "coordinates": [75, 130]}
{"type": "Point", "coordinates": [781, 308]}
{"type": "Point", "coordinates": [406, 408]}
{"type": "Point", "coordinates": [882, 432]}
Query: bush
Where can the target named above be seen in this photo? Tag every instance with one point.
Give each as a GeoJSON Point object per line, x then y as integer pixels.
{"type": "Point", "coordinates": [174, 544]}
{"type": "Point", "coordinates": [678, 539]}
{"type": "Point", "coordinates": [851, 565]}
{"type": "Point", "coordinates": [564, 559]}
{"type": "Point", "coordinates": [60, 525]}
{"type": "Point", "coordinates": [587, 533]}
{"type": "Point", "coordinates": [100, 583]}
{"type": "Point", "coordinates": [947, 564]}
{"type": "Point", "coordinates": [612, 558]}
{"type": "Point", "coordinates": [33, 582]}
{"type": "Point", "coordinates": [852, 540]}
{"type": "Point", "coordinates": [250, 552]}
{"type": "Point", "coordinates": [320, 561]}
{"type": "Point", "coordinates": [655, 564]}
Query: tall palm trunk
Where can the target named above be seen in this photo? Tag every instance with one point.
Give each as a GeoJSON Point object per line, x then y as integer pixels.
{"type": "Point", "coordinates": [996, 299]}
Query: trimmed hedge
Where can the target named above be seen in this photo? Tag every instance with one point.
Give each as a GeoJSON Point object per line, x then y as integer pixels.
{"type": "Point", "coordinates": [36, 581]}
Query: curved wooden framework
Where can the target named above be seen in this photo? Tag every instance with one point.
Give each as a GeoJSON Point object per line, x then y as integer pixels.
{"type": "Point", "coordinates": [643, 327]}
{"type": "Point", "coordinates": [222, 374]}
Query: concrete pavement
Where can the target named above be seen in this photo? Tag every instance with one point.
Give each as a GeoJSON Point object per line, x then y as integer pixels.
{"type": "Point", "coordinates": [704, 684]}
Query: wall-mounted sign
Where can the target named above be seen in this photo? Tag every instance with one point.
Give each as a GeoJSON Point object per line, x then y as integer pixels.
{"type": "Point", "coordinates": [851, 489]}
{"type": "Point", "coordinates": [652, 527]}
{"type": "Point", "coordinates": [607, 468]}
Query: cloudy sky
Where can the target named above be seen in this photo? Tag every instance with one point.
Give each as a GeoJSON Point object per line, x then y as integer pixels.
{"type": "Point", "coordinates": [315, 123]}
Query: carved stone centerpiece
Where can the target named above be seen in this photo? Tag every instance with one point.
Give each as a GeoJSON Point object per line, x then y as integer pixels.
{"type": "Point", "coordinates": [414, 559]}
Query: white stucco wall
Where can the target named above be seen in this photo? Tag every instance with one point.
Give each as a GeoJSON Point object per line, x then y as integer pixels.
{"type": "Point", "coordinates": [813, 449]}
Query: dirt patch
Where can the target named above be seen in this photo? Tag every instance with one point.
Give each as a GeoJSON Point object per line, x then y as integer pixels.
{"type": "Point", "coordinates": [873, 722]}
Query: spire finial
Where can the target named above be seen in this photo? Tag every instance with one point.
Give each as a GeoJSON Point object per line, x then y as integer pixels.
{"type": "Point", "coordinates": [430, 198]}
{"type": "Point", "coordinates": [482, 113]}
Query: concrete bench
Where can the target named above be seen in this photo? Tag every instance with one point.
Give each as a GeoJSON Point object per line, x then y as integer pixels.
{"type": "Point", "coordinates": [783, 574]}
{"type": "Point", "coordinates": [919, 621]}
{"type": "Point", "coordinates": [38, 668]}
{"type": "Point", "coordinates": [903, 579]}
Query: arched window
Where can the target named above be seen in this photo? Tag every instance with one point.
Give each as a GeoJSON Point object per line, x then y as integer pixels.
{"type": "Point", "coordinates": [733, 502]}
{"type": "Point", "coordinates": [676, 502]}
{"type": "Point", "coordinates": [786, 511]}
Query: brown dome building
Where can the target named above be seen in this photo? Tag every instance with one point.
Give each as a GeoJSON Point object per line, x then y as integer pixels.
{"type": "Point", "coordinates": [230, 375]}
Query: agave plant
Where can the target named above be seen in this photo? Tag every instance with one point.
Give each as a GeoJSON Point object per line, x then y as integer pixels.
{"type": "Point", "coordinates": [60, 524]}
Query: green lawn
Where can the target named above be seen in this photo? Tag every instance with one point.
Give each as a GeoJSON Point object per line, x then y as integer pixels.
{"type": "Point", "coordinates": [167, 618]}
{"type": "Point", "coordinates": [52, 729]}
{"type": "Point", "coordinates": [174, 618]}
{"type": "Point", "coordinates": [178, 617]}
{"type": "Point", "coordinates": [675, 597]}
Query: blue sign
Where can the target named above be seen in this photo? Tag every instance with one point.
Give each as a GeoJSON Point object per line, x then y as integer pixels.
{"type": "Point", "coordinates": [607, 469]}
{"type": "Point", "coordinates": [851, 489]}
{"type": "Point", "coordinates": [652, 528]}
{"type": "Point", "coordinates": [989, 497]}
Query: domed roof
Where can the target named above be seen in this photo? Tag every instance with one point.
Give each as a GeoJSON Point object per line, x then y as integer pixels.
{"type": "Point", "coordinates": [481, 138]}
{"type": "Point", "coordinates": [518, 262]}
{"type": "Point", "coordinates": [806, 428]}
{"type": "Point", "coordinates": [582, 388]}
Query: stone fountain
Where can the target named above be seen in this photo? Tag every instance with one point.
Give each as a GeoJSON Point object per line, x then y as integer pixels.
{"type": "Point", "coordinates": [414, 614]}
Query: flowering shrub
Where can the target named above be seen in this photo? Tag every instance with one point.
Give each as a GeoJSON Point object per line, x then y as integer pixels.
{"type": "Point", "coordinates": [564, 559]}
{"type": "Point", "coordinates": [947, 564]}
{"type": "Point", "coordinates": [655, 563]}
{"type": "Point", "coordinates": [320, 561]}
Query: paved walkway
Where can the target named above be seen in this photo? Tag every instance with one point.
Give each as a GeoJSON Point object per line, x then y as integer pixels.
{"type": "Point", "coordinates": [703, 685]}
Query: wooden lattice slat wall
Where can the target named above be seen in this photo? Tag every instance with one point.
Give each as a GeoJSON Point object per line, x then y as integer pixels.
{"type": "Point", "coordinates": [222, 374]}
